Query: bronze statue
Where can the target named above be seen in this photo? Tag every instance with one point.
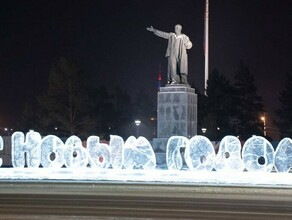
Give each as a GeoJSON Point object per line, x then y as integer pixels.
{"type": "Point", "coordinates": [176, 53]}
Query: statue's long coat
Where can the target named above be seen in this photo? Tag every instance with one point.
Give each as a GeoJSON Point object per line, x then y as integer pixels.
{"type": "Point", "coordinates": [185, 44]}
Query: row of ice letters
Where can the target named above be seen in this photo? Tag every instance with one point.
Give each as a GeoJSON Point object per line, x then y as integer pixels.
{"type": "Point", "coordinates": [257, 153]}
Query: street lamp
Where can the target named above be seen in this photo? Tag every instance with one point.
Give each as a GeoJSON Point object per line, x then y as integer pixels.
{"type": "Point", "coordinates": [137, 122]}
{"type": "Point", "coordinates": [263, 118]}
{"type": "Point", "coordinates": [204, 130]}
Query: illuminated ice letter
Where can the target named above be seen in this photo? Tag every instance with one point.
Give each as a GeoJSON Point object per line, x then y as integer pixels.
{"type": "Point", "coordinates": [99, 153]}
{"type": "Point", "coordinates": [174, 160]}
{"type": "Point", "coordinates": [138, 153]}
{"type": "Point", "coordinates": [258, 154]}
{"type": "Point", "coordinates": [30, 148]}
{"type": "Point", "coordinates": [229, 155]}
{"type": "Point", "coordinates": [1, 148]}
{"type": "Point", "coordinates": [75, 154]}
{"type": "Point", "coordinates": [53, 150]}
{"type": "Point", "coordinates": [200, 154]}
{"type": "Point", "coordinates": [116, 145]}
{"type": "Point", "coordinates": [283, 155]}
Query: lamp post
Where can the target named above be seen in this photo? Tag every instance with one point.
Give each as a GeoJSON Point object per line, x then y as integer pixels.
{"type": "Point", "coordinates": [263, 118]}
{"type": "Point", "coordinates": [137, 122]}
{"type": "Point", "coordinates": [204, 130]}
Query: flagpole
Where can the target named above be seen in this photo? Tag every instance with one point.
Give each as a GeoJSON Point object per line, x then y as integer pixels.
{"type": "Point", "coordinates": [206, 46]}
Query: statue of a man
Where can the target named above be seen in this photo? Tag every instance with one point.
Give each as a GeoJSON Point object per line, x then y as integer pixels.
{"type": "Point", "coordinates": [176, 54]}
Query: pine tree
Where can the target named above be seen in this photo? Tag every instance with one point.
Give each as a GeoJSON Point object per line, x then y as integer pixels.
{"type": "Point", "coordinates": [218, 107]}
{"type": "Point", "coordinates": [65, 103]}
{"type": "Point", "coordinates": [248, 105]}
{"type": "Point", "coordinates": [284, 113]}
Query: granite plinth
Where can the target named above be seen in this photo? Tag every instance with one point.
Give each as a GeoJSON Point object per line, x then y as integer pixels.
{"type": "Point", "coordinates": [176, 111]}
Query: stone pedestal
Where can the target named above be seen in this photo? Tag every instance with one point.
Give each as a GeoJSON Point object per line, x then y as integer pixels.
{"type": "Point", "coordinates": [176, 114]}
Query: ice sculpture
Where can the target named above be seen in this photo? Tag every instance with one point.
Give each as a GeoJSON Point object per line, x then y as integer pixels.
{"type": "Point", "coordinates": [53, 150]}
{"type": "Point", "coordinates": [116, 146]}
{"type": "Point", "coordinates": [138, 153]}
{"type": "Point", "coordinates": [258, 154]}
{"type": "Point", "coordinates": [1, 148]}
{"type": "Point", "coordinates": [283, 155]}
{"type": "Point", "coordinates": [174, 159]}
{"type": "Point", "coordinates": [99, 153]}
{"type": "Point", "coordinates": [200, 154]}
{"type": "Point", "coordinates": [229, 155]}
{"type": "Point", "coordinates": [28, 151]}
{"type": "Point", "coordinates": [75, 154]}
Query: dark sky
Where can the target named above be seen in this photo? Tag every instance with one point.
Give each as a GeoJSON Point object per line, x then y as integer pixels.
{"type": "Point", "coordinates": [109, 40]}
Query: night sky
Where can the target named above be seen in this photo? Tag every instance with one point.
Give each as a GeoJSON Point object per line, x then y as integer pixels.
{"type": "Point", "coordinates": [109, 40]}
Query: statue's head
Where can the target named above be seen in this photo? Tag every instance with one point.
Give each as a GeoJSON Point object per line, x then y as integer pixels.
{"type": "Point", "coordinates": [177, 29]}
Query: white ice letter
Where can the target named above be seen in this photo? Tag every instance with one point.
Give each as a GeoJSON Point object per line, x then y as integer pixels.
{"type": "Point", "coordinates": [283, 155]}
{"type": "Point", "coordinates": [30, 147]}
{"type": "Point", "coordinates": [229, 155]}
{"type": "Point", "coordinates": [200, 154]}
{"type": "Point", "coordinates": [1, 148]}
{"type": "Point", "coordinates": [138, 153]}
{"type": "Point", "coordinates": [75, 154]}
{"type": "Point", "coordinates": [116, 146]}
{"type": "Point", "coordinates": [99, 153]}
{"type": "Point", "coordinates": [258, 154]}
{"type": "Point", "coordinates": [53, 150]}
{"type": "Point", "coordinates": [173, 157]}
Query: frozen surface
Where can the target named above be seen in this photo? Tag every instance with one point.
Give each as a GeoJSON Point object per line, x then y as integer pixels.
{"type": "Point", "coordinates": [138, 153]}
{"type": "Point", "coordinates": [228, 157]}
{"type": "Point", "coordinates": [28, 147]}
{"type": "Point", "coordinates": [258, 154]}
{"type": "Point", "coordinates": [116, 146]}
{"type": "Point", "coordinates": [174, 159]}
{"type": "Point", "coordinates": [52, 152]}
{"type": "Point", "coordinates": [75, 154]}
{"type": "Point", "coordinates": [200, 154]}
{"type": "Point", "coordinates": [1, 148]}
{"type": "Point", "coordinates": [99, 153]}
{"type": "Point", "coordinates": [283, 155]}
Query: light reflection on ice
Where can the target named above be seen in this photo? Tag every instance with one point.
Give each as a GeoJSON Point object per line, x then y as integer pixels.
{"type": "Point", "coordinates": [53, 150]}
{"type": "Point", "coordinates": [229, 155]}
{"type": "Point", "coordinates": [26, 149]}
{"type": "Point", "coordinates": [200, 154]}
{"type": "Point", "coordinates": [258, 154]}
{"type": "Point", "coordinates": [1, 148]}
{"type": "Point", "coordinates": [174, 159]}
{"type": "Point", "coordinates": [138, 153]}
{"type": "Point", "coordinates": [124, 161]}
{"type": "Point", "coordinates": [283, 155]}
{"type": "Point", "coordinates": [99, 153]}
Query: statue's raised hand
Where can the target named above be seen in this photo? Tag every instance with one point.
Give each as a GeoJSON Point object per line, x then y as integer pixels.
{"type": "Point", "coordinates": [150, 29]}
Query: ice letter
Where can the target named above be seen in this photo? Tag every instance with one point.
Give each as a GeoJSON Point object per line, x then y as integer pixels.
{"type": "Point", "coordinates": [31, 147]}
{"type": "Point", "coordinates": [258, 154]}
{"type": "Point", "coordinates": [173, 156]}
{"type": "Point", "coordinates": [99, 153]}
{"type": "Point", "coordinates": [1, 148]}
{"type": "Point", "coordinates": [138, 153]}
{"type": "Point", "coordinates": [229, 155]}
{"type": "Point", "coordinates": [200, 154]}
{"type": "Point", "coordinates": [75, 154]}
{"type": "Point", "coordinates": [116, 146]}
{"type": "Point", "coordinates": [53, 150]}
{"type": "Point", "coordinates": [283, 155]}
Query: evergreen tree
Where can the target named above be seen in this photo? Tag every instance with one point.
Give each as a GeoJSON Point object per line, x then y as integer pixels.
{"type": "Point", "coordinates": [216, 109]}
{"type": "Point", "coordinates": [249, 107]}
{"type": "Point", "coordinates": [65, 104]}
{"type": "Point", "coordinates": [284, 113]}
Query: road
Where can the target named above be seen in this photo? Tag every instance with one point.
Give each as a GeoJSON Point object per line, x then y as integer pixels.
{"type": "Point", "coordinates": [115, 200]}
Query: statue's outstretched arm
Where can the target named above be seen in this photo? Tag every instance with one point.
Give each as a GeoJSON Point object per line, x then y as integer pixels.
{"type": "Point", "coordinates": [158, 33]}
